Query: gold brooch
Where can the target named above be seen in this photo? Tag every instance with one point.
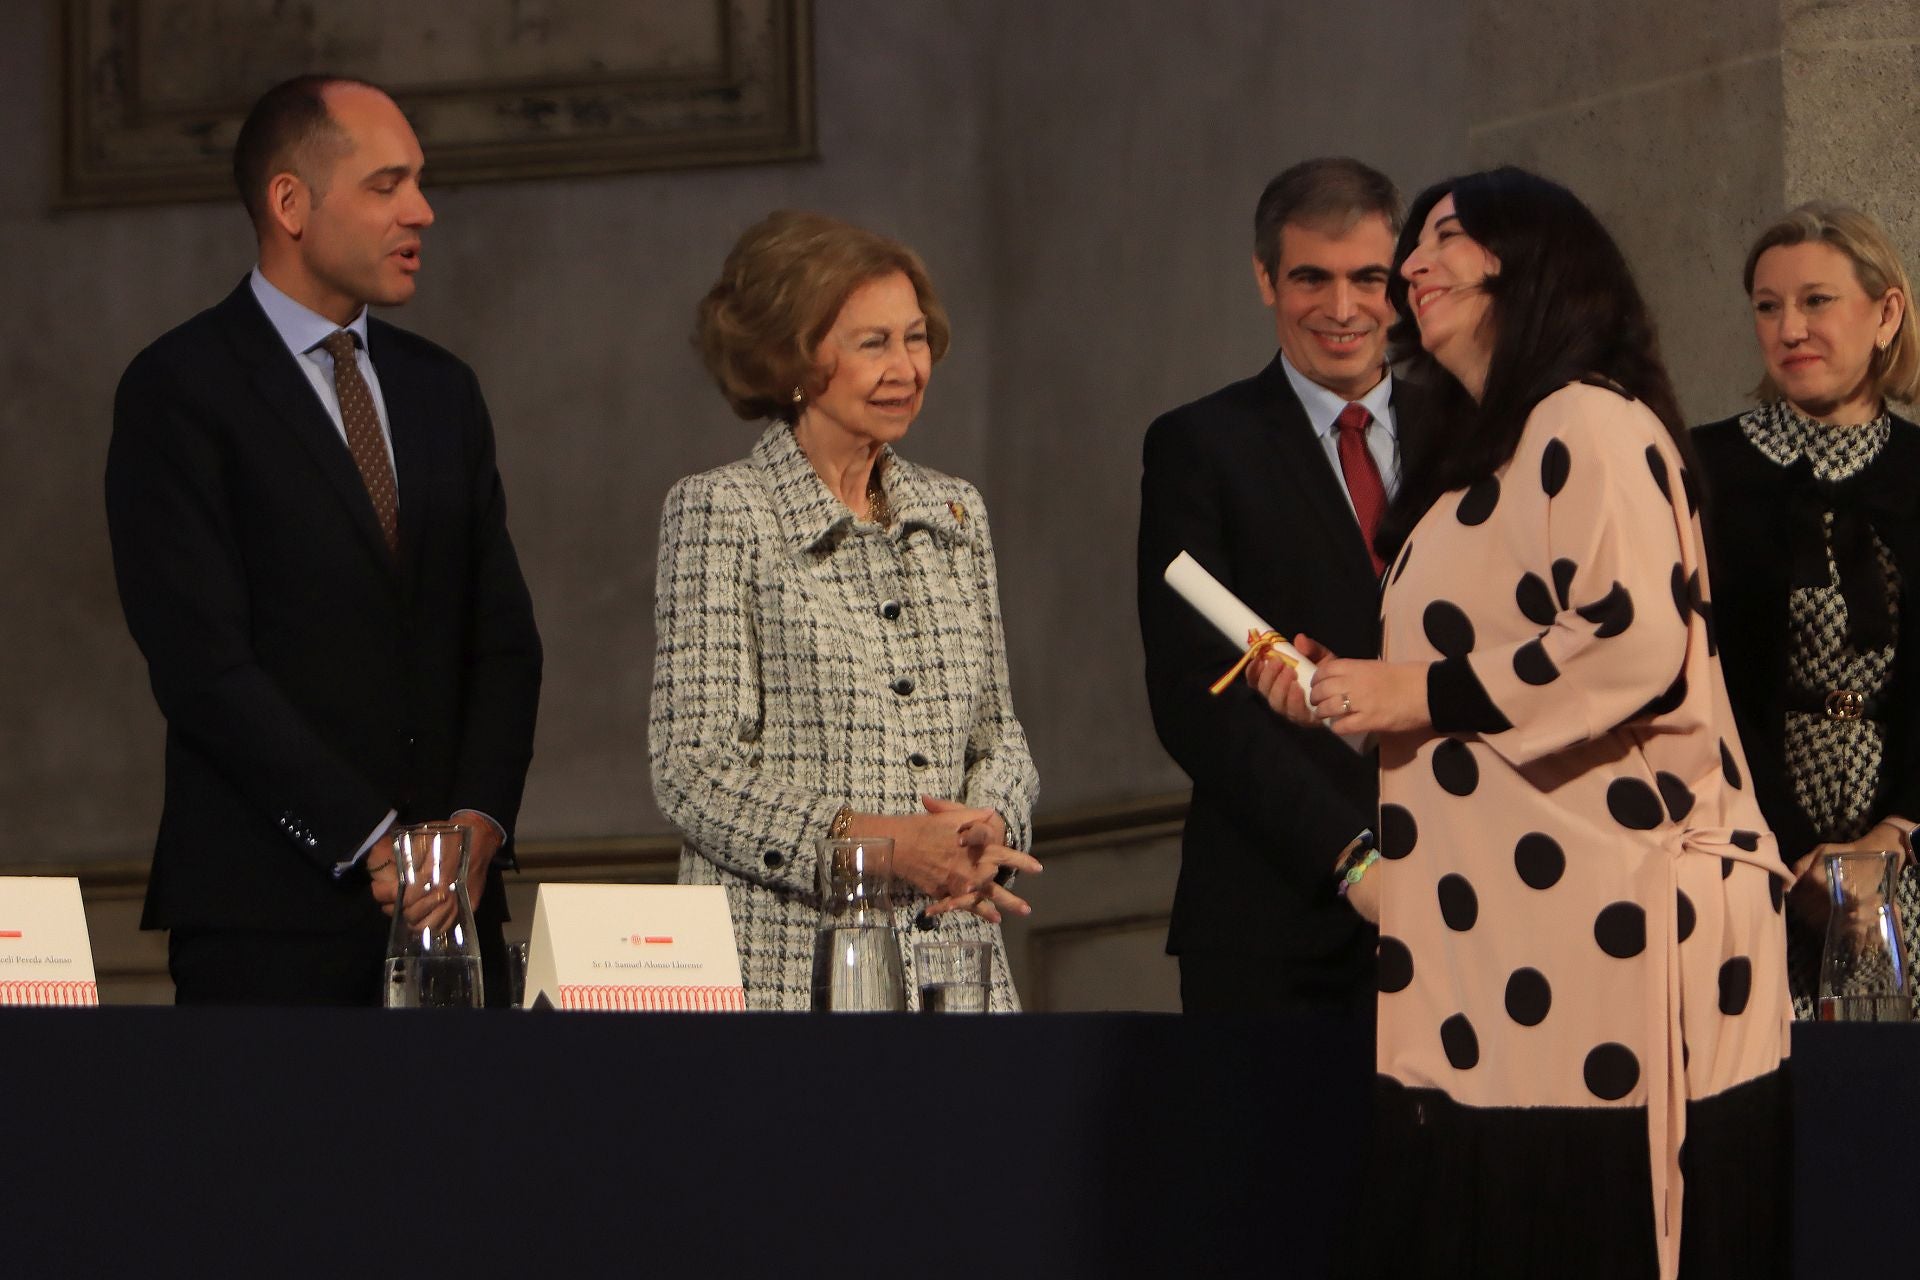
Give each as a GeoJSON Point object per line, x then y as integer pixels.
{"type": "Point", "coordinates": [959, 512]}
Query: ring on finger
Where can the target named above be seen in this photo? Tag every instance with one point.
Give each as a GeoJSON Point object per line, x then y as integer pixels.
{"type": "Point", "coordinates": [1346, 705]}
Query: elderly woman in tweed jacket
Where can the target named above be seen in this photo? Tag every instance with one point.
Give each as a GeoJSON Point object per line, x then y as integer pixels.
{"type": "Point", "coordinates": [830, 655]}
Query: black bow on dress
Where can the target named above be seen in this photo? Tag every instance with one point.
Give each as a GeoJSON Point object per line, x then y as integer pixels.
{"type": "Point", "coordinates": [1855, 508]}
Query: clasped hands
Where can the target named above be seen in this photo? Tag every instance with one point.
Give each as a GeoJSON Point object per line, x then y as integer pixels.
{"type": "Point", "coordinates": [953, 853]}
{"type": "Point", "coordinates": [427, 908]}
{"type": "Point", "coordinates": [1350, 695]}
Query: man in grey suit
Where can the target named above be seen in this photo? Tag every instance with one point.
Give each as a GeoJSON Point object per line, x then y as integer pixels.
{"type": "Point", "coordinates": [1276, 486]}
{"type": "Point", "coordinates": [309, 534]}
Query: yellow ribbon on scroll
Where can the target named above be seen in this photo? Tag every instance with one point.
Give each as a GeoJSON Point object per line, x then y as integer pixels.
{"type": "Point", "coordinates": [1256, 642]}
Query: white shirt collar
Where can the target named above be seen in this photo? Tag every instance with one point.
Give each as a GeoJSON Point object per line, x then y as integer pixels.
{"type": "Point", "coordinates": [1323, 406]}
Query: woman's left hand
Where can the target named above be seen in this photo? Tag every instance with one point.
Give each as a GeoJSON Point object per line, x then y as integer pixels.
{"type": "Point", "coordinates": [992, 904]}
{"type": "Point", "coordinates": [1362, 695]}
{"type": "Point", "coordinates": [1813, 867]}
{"type": "Point", "coordinates": [1809, 888]}
{"type": "Point", "coordinates": [985, 840]}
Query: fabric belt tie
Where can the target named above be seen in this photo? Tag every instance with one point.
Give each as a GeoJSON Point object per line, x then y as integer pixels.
{"type": "Point", "coordinates": [1855, 518]}
{"type": "Point", "coordinates": [1667, 1082]}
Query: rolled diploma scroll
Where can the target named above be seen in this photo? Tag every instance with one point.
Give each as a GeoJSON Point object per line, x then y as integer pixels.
{"type": "Point", "coordinates": [1230, 614]}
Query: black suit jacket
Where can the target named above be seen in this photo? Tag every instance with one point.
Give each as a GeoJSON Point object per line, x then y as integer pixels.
{"type": "Point", "coordinates": [1747, 500]}
{"type": "Point", "coordinates": [1238, 480]}
{"type": "Point", "coordinates": [311, 682]}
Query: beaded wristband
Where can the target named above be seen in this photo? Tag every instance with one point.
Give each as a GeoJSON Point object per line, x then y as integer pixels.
{"type": "Point", "coordinates": [1355, 850]}
{"type": "Point", "coordinates": [841, 821]}
{"type": "Point", "coordinates": [1357, 870]}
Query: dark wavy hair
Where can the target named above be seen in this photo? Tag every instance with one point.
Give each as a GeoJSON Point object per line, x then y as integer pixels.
{"type": "Point", "coordinates": [1564, 308]}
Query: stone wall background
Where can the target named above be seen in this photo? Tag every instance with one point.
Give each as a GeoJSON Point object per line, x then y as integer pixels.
{"type": "Point", "coordinates": [1080, 177]}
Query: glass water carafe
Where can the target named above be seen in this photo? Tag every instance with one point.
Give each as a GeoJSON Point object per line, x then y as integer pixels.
{"type": "Point", "coordinates": [433, 957]}
{"type": "Point", "coordinates": [1863, 971]}
{"type": "Point", "coordinates": [856, 955]}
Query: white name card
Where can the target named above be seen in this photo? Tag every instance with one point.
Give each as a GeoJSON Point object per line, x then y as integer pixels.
{"type": "Point", "coordinates": [641, 947]}
{"type": "Point", "coordinates": [46, 958]}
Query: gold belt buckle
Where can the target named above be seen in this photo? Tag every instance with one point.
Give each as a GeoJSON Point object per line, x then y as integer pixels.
{"type": "Point", "coordinates": [1846, 704]}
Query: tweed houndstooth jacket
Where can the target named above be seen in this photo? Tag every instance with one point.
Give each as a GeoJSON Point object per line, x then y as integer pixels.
{"type": "Point", "coordinates": [804, 660]}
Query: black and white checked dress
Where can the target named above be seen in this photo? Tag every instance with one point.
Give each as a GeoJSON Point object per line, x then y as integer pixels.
{"type": "Point", "coordinates": [1835, 766]}
{"type": "Point", "coordinates": [804, 660]}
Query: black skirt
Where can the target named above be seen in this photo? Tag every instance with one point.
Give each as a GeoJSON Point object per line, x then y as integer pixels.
{"type": "Point", "coordinates": [1457, 1192]}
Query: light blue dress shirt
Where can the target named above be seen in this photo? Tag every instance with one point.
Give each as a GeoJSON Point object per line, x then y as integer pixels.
{"type": "Point", "coordinates": [303, 331]}
{"type": "Point", "coordinates": [1323, 409]}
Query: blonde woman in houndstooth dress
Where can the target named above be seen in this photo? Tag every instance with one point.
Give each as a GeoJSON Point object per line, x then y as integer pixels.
{"type": "Point", "coordinates": [829, 654]}
{"type": "Point", "coordinates": [1814, 538]}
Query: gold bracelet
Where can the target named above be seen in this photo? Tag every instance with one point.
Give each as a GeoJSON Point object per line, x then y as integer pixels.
{"type": "Point", "coordinates": [841, 821]}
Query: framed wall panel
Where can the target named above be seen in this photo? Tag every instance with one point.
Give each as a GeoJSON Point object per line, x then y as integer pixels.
{"type": "Point", "coordinates": [155, 90]}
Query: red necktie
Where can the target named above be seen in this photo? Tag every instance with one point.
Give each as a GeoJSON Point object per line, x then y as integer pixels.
{"type": "Point", "coordinates": [1363, 476]}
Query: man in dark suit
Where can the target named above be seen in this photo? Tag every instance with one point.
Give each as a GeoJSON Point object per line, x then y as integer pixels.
{"type": "Point", "coordinates": [310, 539]}
{"type": "Point", "coordinates": [1276, 485]}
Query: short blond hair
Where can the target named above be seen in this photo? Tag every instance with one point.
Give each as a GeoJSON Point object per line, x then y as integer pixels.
{"type": "Point", "coordinates": [1876, 265]}
{"type": "Point", "coordinates": [778, 295]}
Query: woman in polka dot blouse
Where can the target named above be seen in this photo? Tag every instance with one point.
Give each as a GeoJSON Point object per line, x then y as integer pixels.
{"type": "Point", "coordinates": [1581, 959]}
{"type": "Point", "coordinates": [1826, 689]}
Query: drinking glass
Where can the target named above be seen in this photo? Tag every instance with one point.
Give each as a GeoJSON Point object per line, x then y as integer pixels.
{"type": "Point", "coordinates": [517, 953]}
{"type": "Point", "coordinates": [953, 977]}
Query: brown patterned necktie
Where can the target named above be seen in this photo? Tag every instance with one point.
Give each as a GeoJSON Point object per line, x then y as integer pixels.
{"type": "Point", "coordinates": [364, 440]}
